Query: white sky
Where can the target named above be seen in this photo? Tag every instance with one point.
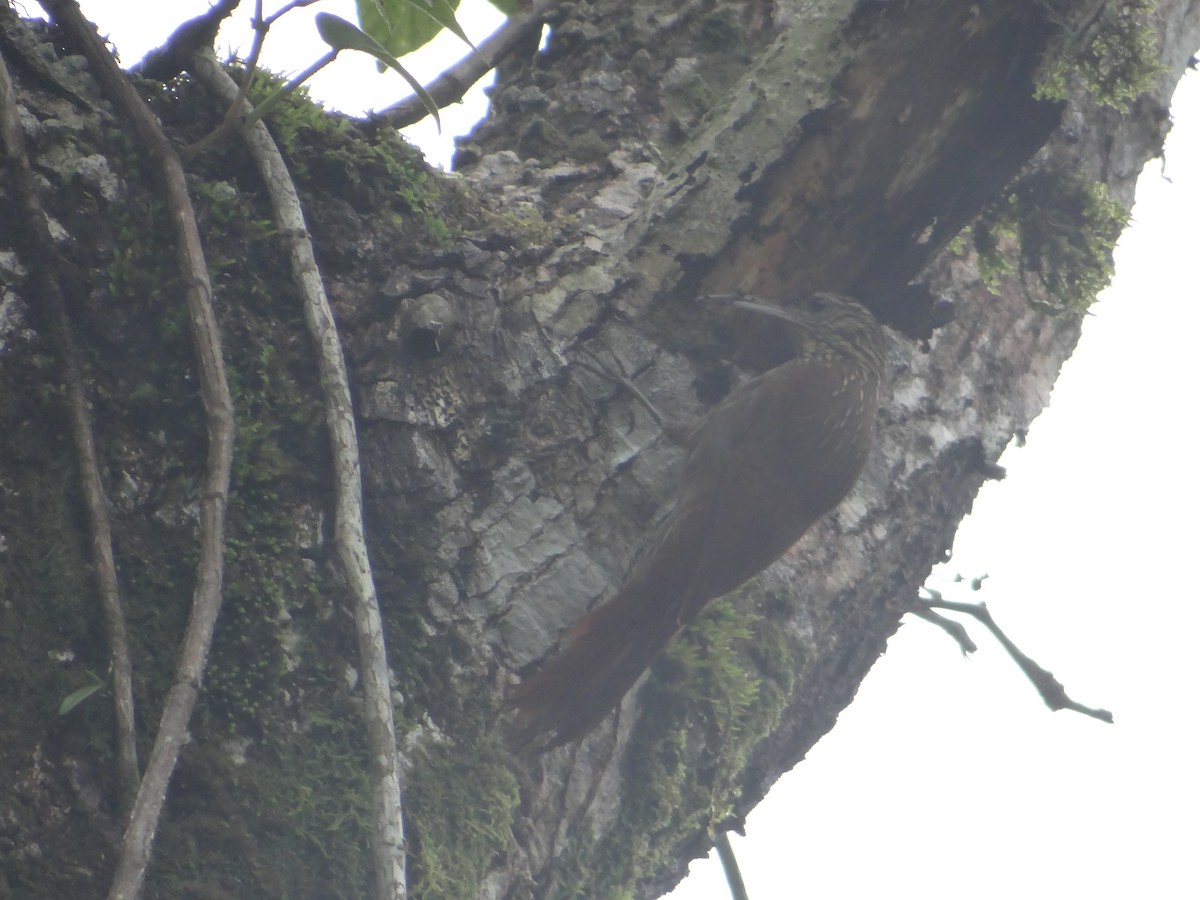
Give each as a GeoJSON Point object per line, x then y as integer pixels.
{"type": "Point", "coordinates": [948, 777]}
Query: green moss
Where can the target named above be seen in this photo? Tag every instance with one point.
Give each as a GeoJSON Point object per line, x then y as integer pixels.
{"type": "Point", "coordinates": [292, 820]}
{"type": "Point", "coordinates": [721, 31]}
{"type": "Point", "coordinates": [375, 171]}
{"type": "Point", "coordinates": [222, 208]}
{"type": "Point", "coordinates": [1113, 54]}
{"type": "Point", "coordinates": [691, 94]}
{"type": "Point", "coordinates": [280, 459]}
{"type": "Point", "coordinates": [47, 628]}
{"type": "Point", "coordinates": [540, 139]}
{"type": "Point", "coordinates": [460, 801]}
{"type": "Point", "coordinates": [144, 346]}
{"type": "Point", "coordinates": [1065, 228]}
{"type": "Point", "coordinates": [720, 689]}
{"type": "Point", "coordinates": [524, 223]}
{"type": "Point", "coordinates": [51, 637]}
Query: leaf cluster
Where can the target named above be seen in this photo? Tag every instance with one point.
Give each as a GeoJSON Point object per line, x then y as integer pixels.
{"type": "Point", "coordinates": [386, 29]}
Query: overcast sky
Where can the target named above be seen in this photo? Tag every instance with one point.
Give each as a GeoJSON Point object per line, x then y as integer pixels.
{"type": "Point", "coordinates": [948, 777]}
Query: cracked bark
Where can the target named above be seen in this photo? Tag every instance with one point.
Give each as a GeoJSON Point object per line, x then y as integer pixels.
{"type": "Point", "coordinates": [647, 156]}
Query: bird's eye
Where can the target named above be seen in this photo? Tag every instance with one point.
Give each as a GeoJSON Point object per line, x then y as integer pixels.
{"type": "Point", "coordinates": [818, 303]}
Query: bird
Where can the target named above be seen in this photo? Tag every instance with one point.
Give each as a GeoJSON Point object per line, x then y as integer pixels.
{"type": "Point", "coordinates": [773, 457]}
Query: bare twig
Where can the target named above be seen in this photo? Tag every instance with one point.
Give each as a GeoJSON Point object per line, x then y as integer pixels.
{"type": "Point", "coordinates": [955, 629]}
{"type": "Point", "coordinates": [1052, 692]}
{"type": "Point", "coordinates": [388, 834]}
{"type": "Point", "coordinates": [46, 264]}
{"type": "Point", "coordinates": [453, 84]}
{"type": "Point", "coordinates": [621, 378]}
{"type": "Point", "coordinates": [218, 406]}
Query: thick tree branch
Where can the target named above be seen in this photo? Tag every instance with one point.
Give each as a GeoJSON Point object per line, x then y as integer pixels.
{"type": "Point", "coordinates": [218, 405]}
{"type": "Point", "coordinates": [388, 833]}
{"type": "Point", "coordinates": [167, 61]}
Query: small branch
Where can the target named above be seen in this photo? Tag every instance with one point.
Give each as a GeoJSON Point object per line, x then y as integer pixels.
{"type": "Point", "coordinates": [733, 873]}
{"type": "Point", "coordinates": [46, 263]}
{"type": "Point", "coordinates": [350, 536]}
{"type": "Point", "coordinates": [621, 379]}
{"type": "Point", "coordinates": [453, 84]}
{"type": "Point", "coordinates": [1053, 693]}
{"type": "Point", "coordinates": [286, 8]}
{"type": "Point", "coordinates": [218, 406]}
{"type": "Point", "coordinates": [956, 630]}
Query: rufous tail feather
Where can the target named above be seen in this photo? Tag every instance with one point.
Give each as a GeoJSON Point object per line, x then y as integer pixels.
{"type": "Point", "coordinates": [608, 651]}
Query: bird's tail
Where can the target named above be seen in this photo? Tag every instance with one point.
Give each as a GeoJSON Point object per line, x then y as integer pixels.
{"type": "Point", "coordinates": [608, 651]}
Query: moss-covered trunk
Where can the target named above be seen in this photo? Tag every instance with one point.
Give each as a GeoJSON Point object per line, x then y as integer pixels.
{"type": "Point", "coordinates": [645, 156]}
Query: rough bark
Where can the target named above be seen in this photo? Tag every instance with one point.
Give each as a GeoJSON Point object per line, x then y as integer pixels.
{"type": "Point", "coordinates": [648, 155]}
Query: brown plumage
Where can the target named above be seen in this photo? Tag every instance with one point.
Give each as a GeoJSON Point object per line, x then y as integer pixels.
{"type": "Point", "coordinates": [773, 457]}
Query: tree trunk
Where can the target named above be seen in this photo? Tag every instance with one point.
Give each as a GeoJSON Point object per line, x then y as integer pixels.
{"type": "Point", "coordinates": [647, 156]}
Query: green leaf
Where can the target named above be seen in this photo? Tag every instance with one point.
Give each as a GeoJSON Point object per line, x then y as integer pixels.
{"type": "Point", "coordinates": [402, 26]}
{"type": "Point", "coordinates": [508, 7]}
{"type": "Point", "coordinates": [442, 12]}
{"type": "Point", "coordinates": [342, 35]}
{"type": "Point", "coordinates": [74, 698]}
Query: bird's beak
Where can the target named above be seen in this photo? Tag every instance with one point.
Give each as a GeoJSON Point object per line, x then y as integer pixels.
{"type": "Point", "coordinates": [765, 309]}
{"type": "Point", "coordinates": [740, 301]}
